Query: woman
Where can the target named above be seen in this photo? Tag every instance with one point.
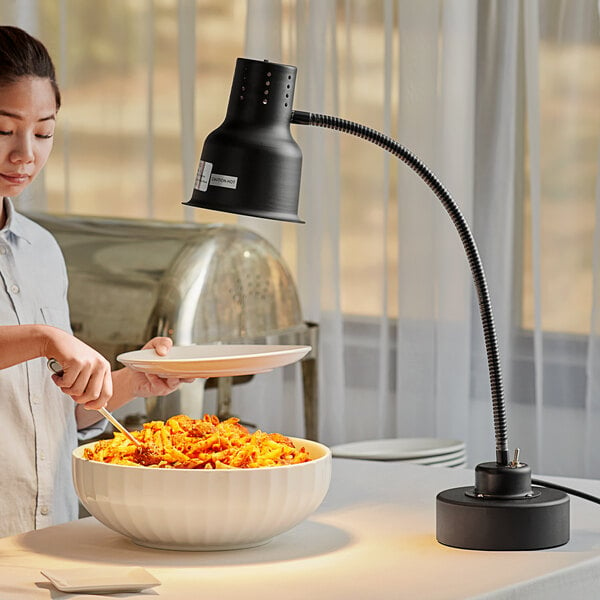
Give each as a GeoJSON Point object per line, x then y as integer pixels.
{"type": "Point", "coordinates": [39, 423]}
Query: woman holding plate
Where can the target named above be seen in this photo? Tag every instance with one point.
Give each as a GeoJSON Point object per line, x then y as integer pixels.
{"type": "Point", "coordinates": [39, 423]}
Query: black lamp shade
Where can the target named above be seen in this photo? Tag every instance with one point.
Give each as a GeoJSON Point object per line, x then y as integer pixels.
{"type": "Point", "coordinates": [251, 165]}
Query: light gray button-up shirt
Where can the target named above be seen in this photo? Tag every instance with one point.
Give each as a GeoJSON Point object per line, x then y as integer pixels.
{"type": "Point", "coordinates": [37, 421]}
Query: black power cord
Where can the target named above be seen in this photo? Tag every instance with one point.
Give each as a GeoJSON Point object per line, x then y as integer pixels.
{"type": "Point", "coordinates": [568, 490]}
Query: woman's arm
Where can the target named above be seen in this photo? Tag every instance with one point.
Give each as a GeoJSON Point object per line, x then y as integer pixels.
{"type": "Point", "coordinates": [19, 343]}
{"type": "Point", "coordinates": [86, 373]}
{"type": "Point", "coordinates": [86, 377]}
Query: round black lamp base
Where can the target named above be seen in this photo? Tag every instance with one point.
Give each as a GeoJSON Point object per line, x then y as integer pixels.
{"type": "Point", "coordinates": [464, 520]}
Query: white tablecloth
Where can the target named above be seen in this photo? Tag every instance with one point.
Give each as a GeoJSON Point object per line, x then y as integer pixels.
{"type": "Point", "coordinates": [373, 537]}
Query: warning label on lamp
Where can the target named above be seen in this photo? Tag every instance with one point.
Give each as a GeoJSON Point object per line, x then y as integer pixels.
{"type": "Point", "coordinates": [224, 181]}
{"type": "Point", "coordinates": [203, 176]}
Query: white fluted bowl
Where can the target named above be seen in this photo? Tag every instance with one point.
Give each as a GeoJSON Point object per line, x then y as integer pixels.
{"type": "Point", "coordinates": [196, 509]}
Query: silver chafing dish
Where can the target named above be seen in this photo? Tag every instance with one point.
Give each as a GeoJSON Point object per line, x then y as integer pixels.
{"type": "Point", "coordinates": [130, 280]}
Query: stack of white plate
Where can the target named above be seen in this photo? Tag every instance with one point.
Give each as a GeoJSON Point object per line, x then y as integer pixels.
{"type": "Point", "coordinates": [434, 452]}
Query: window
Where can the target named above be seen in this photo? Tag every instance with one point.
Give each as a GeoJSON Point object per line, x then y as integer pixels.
{"type": "Point", "coordinates": [118, 150]}
{"type": "Point", "coordinates": [569, 56]}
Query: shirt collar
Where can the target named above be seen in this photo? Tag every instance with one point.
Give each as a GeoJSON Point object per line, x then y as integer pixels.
{"type": "Point", "coordinates": [14, 223]}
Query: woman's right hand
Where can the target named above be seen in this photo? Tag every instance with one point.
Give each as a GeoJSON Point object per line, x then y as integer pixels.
{"type": "Point", "coordinates": [86, 373]}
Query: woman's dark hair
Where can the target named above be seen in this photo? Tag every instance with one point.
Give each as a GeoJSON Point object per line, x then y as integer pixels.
{"type": "Point", "coordinates": [21, 55]}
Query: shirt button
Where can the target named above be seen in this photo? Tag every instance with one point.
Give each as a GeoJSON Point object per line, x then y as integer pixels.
{"type": "Point", "coordinates": [14, 288]}
{"type": "Point", "coordinates": [3, 250]}
{"type": "Point", "coordinates": [44, 510]}
{"type": "Point", "coordinates": [42, 456]}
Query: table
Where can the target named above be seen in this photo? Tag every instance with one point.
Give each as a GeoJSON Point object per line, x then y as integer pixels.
{"type": "Point", "coordinates": [373, 537]}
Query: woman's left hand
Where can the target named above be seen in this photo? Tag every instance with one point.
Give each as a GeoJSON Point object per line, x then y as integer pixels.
{"type": "Point", "coordinates": [145, 384]}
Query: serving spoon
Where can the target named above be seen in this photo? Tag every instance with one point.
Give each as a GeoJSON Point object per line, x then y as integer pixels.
{"type": "Point", "coordinates": [57, 369]}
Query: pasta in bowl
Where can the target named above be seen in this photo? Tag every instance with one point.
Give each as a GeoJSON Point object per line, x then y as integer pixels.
{"type": "Point", "coordinates": [201, 484]}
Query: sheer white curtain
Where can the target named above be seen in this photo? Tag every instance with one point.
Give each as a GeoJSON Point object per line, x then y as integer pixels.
{"type": "Point", "coordinates": [498, 97]}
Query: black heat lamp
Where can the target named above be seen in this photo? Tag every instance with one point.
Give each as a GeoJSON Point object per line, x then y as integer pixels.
{"type": "Point", "coordinates": [251, 166]}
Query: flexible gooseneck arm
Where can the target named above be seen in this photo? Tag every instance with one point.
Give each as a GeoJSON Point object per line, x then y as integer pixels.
{"type": "Point", "coordinates": [466, 237]}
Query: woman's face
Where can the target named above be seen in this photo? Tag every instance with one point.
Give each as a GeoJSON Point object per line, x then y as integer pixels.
{"type": "Point", "coordinates": [27, 120]}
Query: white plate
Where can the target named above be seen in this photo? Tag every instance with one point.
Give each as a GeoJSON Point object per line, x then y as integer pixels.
{"type": "Point", "coordinates": [101, 579]}
{"type": "Point", "coordinates": [397, 448]}
{"type": "Point", "coordinates": [439, 458]}
{"type": "Point", "coordinates": [457, 462]}
{"type": "Point", "coordinates": [215, 360]}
